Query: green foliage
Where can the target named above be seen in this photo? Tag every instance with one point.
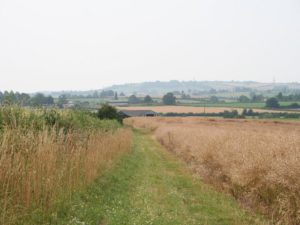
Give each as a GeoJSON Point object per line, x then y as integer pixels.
{"type": "Point", "coordinates": [108, 112]}
{"type": "Point", "coordinates": [169, 99]}
{"type": "Point", "coordinates": [291, 97]}
{"type": "Point", "coordinates": [40, 100]}
{"type": "Point", "coordinates": [279, 96]}
{"type": "Point", "coordinates": [248, 112]}
{"type": "Point", "coordinates": [116, 96]}
{"type": "Point", "coordinates": [184, 95]}
{"type": "Point", "coordinates": [213, 99]}
{"type": "Point", "coordinates": [272, 103]}
{"type": "Point", "coordinates": [148, 99]}
{"type": "Point", "coordinates": [133, 99]}
{"type": "Point", "coordinates": [23, 99]}
{"type": "Point", "coordinates": [14, 98]}
{"type": "Point", "coordinates": [256, 98]}
{"type": "Point", "coordinates": [107, 93]}
{"type": "Point", "coordinates": [40, 119]}
{"type": "Point", "coordinates": [244, 98]}
{"type": "Point", "coordinates": [231, 114]}
{"type": "Point", "coordinates": [294, 106]}
{"type": "Point", "coordinates": [62, 99]}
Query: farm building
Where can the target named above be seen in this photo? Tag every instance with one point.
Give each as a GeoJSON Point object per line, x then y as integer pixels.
{"type": "Point", "coordinates": [137, 113]}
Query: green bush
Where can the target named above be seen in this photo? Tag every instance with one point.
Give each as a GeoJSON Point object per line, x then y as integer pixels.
{"type": "Point", "coordinates": [108, 112]}
{"type": "Point", "coordinates": [39, 119]}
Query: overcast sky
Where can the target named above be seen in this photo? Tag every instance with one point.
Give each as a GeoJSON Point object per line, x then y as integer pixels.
{"type": "Point", "coordinates": [88, 44]}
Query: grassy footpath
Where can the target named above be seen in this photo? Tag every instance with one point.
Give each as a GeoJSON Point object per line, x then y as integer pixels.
{"type": "Point", "coordinates": [150, 186]}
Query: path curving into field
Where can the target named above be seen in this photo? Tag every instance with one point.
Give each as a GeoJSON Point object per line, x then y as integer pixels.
{"type": "Point", "coordinates": [150, 186]}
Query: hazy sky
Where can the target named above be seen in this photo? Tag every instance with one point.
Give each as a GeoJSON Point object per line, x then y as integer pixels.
{"type": "Point", "coordinates": [87, 44]}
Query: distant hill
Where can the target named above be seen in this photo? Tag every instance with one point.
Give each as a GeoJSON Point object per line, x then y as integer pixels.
{"type": "Point", "coordinates": [161, 87]}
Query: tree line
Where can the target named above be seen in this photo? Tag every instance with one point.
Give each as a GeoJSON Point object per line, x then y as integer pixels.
{"type": "Point", "coordinates": [23, 99]}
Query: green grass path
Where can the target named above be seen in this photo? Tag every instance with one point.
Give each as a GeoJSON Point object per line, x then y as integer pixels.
{"type": "Point", "coordinates": [149, 186]}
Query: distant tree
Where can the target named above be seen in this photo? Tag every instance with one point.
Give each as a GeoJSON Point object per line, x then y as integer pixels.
{"type": "Point", "coordinates": [24, 99]}
{"type": "Point", "coordinates": [1, 97]}
{"type": "Point", "coordinates": [169, 99]}
{"type": "Point", "coordinates": [95, 94]}
{"type": "Point", "coordinates": [107, 93]}
{"type": "Point", "coordinates": [279, 96]}
{"type": "Point", "coordinates": [49, 100]}
{"type": "Point", "coordinates": [40, 99]}
{"type": "Point", "coordinates": [108, 112]}
{"type": "Point", "coordinates": [133, 99]}
{"type": "Point", "coordinates": [9, 98]}
{"type": "Point", "coordinates": [212, 91]}
{"type": "Point", "coordinates": [230, 114]}
{"type": "Point", "coordinates": [213, 99]}
{"type": "Point", "coordinates": [257, 98]}
{"type": "Point", "coordinates": [37, 99]}
{"type": "Point", "coordinates": [184, 95]}
{"type": "Point", "coordinates": [122, 94]}
{"type": "Point", "coordinates": [62, 99]}
{"type": "Point", "coordinates": [294, 106]}
{"type": "Point", "coordinates": [245, 112]}
{"type": "Point", "coordinates": [148, 99]}
{"type": "Point", "coordinates": [250, 112]}
{"type": "Point", "coordinates": [244, 98]}
{"type": "Point", "coordinates": [116, 96]}
{"type": "Point", "coordinates": [14, 98]}
{"type": "Point", "coordinates": [272, 103]}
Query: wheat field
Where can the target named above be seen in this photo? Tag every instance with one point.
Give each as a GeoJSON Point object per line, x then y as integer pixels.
{"type": "Point", "coordinates": [258, 162]}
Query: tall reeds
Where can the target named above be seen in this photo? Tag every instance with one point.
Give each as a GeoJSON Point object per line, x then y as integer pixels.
{"type": "Point", "coordinates": [46, 155]}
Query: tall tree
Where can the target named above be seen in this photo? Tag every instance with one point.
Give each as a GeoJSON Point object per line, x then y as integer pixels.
{"type": "Point", "coordinates": [169, 99]}
{"type": "Point", "coordinates": [116, 96]}
{"type": "Point", "coordinates": [1, 97]}
{"type": "Point", "coordinates": [272, 103]}
{"type": "Point", "coordinates": [133, 99]}
{"type": "Point", "coordinates": [62, 99]}
{"type": "Point", "coordinates": [148, 99]}
{"type": "Point", "coordinates": [244, 98]}
{"type": "Point", "coordinates": [40, 99]}
{"type": "Point", "coordinates": [108, 112]}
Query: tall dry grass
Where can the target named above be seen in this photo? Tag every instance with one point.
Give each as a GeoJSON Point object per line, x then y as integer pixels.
{"type": "Point", "coordinates": [258, 162]}
{"type": "Point", "coordinates": [41, 161]}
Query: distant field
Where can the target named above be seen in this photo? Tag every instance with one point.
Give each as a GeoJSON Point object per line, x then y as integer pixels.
{"type": "Point", "coordinates": [191, 109]}
{"type": "Point", "coordinates": [255, 105]}
{"type": "Point", "coordinates": [256, 161]}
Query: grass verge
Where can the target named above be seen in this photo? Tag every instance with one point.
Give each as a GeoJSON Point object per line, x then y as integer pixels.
{"type": "Point", "coordinates": [150, 186]}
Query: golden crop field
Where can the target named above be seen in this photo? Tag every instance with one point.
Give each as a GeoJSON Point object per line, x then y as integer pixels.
{"type": "Point", "coordinates": [258, 162]}
{"type": "Point", "coordinates": [190, 109]}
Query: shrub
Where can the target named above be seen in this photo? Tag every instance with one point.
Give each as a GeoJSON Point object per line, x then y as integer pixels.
{"type": "Point", "coordinates": [108, 112]}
